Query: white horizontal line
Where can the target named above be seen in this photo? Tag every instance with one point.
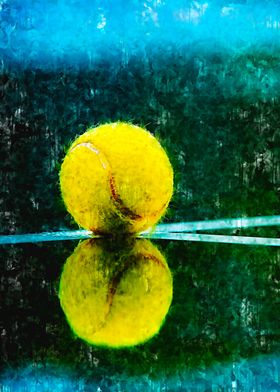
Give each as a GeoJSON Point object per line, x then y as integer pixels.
{"type": "Point", "coordinates": [231, 223]}
{"type": "Point", "coordinates": [168, 231]}
{"type": "Point", "coordinates": [226, 239]}
{"type": "Point", "coordinates": [43, 237]}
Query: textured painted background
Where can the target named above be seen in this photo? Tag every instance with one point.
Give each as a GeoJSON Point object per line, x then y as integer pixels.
{"type": "Point", "coordinates": [203, 77]}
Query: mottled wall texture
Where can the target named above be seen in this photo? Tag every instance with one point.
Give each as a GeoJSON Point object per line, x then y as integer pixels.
{"type": "Point", "coordinates": [209, 90]}
{"type": "Point", "coordinates": [215, 112]}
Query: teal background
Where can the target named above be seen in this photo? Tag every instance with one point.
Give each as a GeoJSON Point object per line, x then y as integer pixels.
{"type": "Point", "coordinates": [203, 77]}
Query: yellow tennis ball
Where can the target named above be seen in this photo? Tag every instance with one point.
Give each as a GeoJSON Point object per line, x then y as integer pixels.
{"type": "Point", "coordinates": [115, 299]}
{"type": "Point", "coordinates": [116, 177]}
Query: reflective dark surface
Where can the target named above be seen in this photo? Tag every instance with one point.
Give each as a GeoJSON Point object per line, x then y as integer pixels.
{"type": "Point", "coordinates": [225, 311]}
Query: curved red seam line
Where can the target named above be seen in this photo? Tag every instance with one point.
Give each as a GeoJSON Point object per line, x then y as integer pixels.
{"type": "Point", "coordinates": [119, 204]}
{"type": "Point", "coordinates": [116, 279]}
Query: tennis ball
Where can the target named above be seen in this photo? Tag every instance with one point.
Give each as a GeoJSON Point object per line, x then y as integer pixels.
{"type": "Point", "coordinates": [116, 177]}
{"type": "Point", "coordinates": [115, 298]}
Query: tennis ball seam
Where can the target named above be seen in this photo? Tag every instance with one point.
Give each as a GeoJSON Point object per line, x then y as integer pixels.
{"type": "Point", "coordinates": [100, 316]}
{"type": "Point", "coordinates": [122, 210]}
{"type": "Point", "coordinates": [114, 282]}
{"type": "Point", "coordinates": [118, 180]}
{"type": "Point", "coordinates": [125, 212]}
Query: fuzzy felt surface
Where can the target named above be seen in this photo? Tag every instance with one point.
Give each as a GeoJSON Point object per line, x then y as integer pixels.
{"type": "Point", "coordinates": [115, 299]}
{"type": "Point", "coordinates": [116, 177]}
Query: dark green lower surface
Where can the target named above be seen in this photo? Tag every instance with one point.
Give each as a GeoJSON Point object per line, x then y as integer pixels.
{"type": "Point", "coordinates": [225, 310]}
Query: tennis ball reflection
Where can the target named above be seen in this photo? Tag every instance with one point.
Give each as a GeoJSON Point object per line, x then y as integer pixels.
{"type": "Point", "coordinates": [115, 298]}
